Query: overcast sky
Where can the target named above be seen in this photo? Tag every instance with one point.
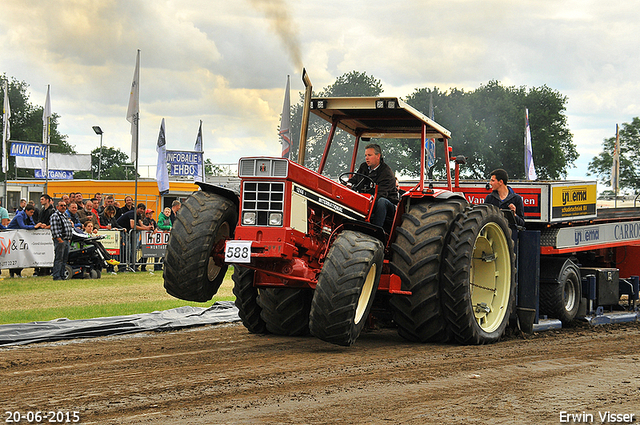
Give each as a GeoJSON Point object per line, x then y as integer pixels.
{"type": "Point", "coordinates": [226, 62]}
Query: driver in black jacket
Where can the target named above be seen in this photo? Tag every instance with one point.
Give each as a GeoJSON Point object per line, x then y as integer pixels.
{"type": "Point", "coordinates": [377, 170]}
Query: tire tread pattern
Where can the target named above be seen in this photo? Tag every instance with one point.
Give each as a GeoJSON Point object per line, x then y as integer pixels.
{"type": "Point", "coordinates": [285, 311]}
{"type": "Point", "coordinates": [552, 301]}
{"type": "Point", "coordinates": [339, 287]}
{"type": "Point", "coordinates": [190, 243]}
{"type": "Point", "coordinates": [416, 257]}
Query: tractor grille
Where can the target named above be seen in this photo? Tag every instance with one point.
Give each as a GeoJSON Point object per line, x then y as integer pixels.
{"type": "Point", "coordinates": [262, 167]}
{"type": "Point", "coordinates": [264, 199]}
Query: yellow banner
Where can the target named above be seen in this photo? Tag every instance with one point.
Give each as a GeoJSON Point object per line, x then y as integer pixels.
{"type": "Point", "coordinates": [574, 200]}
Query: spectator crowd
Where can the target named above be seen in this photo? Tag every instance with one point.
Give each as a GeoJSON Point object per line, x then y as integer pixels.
{"type": "Point", "coordinates": [74, 212]}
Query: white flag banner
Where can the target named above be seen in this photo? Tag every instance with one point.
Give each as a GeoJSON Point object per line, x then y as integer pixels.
{"type": "Point", "coordinates": [6, 128]}
{"type": "Point", "coordinates": [529, 169]}
{"type": "Point", "coordinates": [46, 132]}
{"type": "Point", "coordinates": [199, 177]}
{"type": "Point", "coordinates": [133, 111]}
{"type": "Point", "coordinates": [57, 161]}
{"type": "Point", "coordinates": [615, 167]}
{"type": "Point", "coordinates": [162, 174]}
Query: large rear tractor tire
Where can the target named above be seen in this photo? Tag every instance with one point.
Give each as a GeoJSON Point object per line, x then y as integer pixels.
{"type": "Point", "coordinates": [346, 288]}
{"type": "Point", "coordinates": [478, 285]}
{"type": "Point", "coordinates": [416, 259]}
{"type": "Point", "coordinates": [203, 223]}
{"type": "Point", "coordinates": [560, 297]}
{"type": "Point", "coordinates": [286, 310]}
{"type": "Point", "coordinates": [247, 300]}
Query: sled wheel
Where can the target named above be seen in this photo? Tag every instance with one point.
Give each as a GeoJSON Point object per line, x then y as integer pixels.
{"type": "Point", "coordinates": [416, 257]}
{"type": "Point", "coordinates": [560, 299]}
{"type": "Point", "coordinates": [346, 288]}
{"type": "Point", "coordinates": [478, 285]}
{"type": "Point", "coordinates": [247, 300]}
{"type": "Point", "coordinates": [286, 310]}
{"type": "Point", "coordinates": [194, 262]}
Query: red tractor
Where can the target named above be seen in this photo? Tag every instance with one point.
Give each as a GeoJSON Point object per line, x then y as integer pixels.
{"type": "Point", "coordinates": [307, 259]}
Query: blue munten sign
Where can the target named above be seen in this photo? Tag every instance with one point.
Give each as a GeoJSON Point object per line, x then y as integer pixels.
{"type": "Point", "coordinates": [34, 150]}
{"type": "Point", "coordinates": [55, 174]}
{"type": "Point", "coordinates": [184, 163]}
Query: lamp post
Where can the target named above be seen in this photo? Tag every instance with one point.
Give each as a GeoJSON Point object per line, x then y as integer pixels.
{"type": "Point", "coordinates": [98, 130]}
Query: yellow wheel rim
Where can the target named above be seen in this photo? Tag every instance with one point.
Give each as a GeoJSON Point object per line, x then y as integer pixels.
{"type": "Point", "coordinates": [365, 294]}
{"type": "Point", "coordinates": [490, 277]}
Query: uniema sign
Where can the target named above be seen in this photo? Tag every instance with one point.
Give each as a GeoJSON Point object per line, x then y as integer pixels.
{"type": "Point", "coordinates": [34, 150]}
{"type": "Point", "coordinates": [55, 174]}
{"type": "Point", "coordinates": [184, 163]}
{"type": "Point", "coordinates": [599, 234]}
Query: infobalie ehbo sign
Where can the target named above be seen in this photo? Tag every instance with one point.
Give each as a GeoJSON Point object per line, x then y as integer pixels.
{"type": "Point", "coordinates": [184, 163]}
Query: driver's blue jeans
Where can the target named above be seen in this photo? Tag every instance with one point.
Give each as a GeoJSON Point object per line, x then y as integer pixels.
{"type": "Point", "coordinates": [381, 209]}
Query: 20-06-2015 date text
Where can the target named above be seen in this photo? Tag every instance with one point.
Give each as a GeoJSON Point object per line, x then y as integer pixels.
{"type": "Point", "coordinates": [52, 417]}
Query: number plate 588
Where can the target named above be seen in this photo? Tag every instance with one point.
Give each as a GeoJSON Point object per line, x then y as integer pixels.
{"type": "Point", "coordinates": [237, 252]}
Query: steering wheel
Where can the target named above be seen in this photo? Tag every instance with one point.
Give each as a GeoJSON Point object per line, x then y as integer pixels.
{"type": "Point", "coordinates": [345, 177]}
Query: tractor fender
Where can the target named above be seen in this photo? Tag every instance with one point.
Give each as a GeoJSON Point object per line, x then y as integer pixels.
{"type": "Point", "coordinates": [366, 228]}
{"type": "Point", "coordinates": [439, 194]}
{"type": "Point", "coordinates": [447, 194]}
{"type": "Point", "coordinates": [222, 191]}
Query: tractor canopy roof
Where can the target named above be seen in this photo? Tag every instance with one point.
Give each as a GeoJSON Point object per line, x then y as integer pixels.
{"type": "Point", "coordinates": [377, 117]}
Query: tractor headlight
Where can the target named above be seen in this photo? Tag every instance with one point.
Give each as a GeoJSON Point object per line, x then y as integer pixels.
{"type": "Point", "coordinates": [275, 219]}
{"type": "Point", "coordinates": [249, 218]}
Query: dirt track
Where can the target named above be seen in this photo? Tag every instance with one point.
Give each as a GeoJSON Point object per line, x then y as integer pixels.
{"type": "Point", "coordinates": [226, 375]}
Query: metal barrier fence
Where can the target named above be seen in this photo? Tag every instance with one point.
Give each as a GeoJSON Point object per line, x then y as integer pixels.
{"type": "Point", "coordinates": [147, 251]}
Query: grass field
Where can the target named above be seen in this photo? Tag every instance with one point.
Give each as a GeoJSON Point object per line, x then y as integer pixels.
{"type": "Point", "coordinates": [33, 298]}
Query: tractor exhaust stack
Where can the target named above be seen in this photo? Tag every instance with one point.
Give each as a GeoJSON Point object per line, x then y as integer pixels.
{"type": "Point", "coordinates": [302, 146]}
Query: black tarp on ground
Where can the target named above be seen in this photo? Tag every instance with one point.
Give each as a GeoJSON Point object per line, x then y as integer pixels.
{"type": "Point", "coordinates": [55, 330]}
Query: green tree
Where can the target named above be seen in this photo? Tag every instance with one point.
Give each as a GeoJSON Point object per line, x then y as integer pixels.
{"type": "Point", "coordinates": [487, 126]}
{"type": "Point", "coordinates": [114, 165]}
{"type": "Point", "coordinates": [347, 85]}
{"type": "Point", "coordinates": [452, 110]}
{"type": "Point", "coordinates": [211, 169]}
{"type": "Point", "coordinates": [600, 165]}
{"type": "Point", "coordinates": [26, 123]}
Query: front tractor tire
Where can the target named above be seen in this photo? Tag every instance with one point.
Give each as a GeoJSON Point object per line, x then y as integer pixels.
{"type": "Point", "coordinates": [416, 259]}
{"type": "Point", "coordinates": [478, 285]}
{"type": "Point", "coordinates": [203, 223]}
{"type": "Point", "coordinates": [346, 288]}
